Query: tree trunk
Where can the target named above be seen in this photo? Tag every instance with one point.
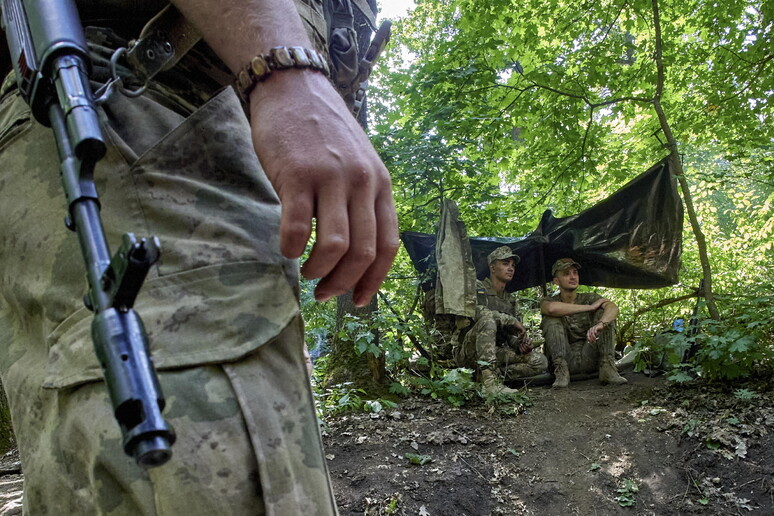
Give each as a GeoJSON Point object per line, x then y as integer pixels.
{"type": "Point", "coordinates": [677, 169]}
{"type": "Point", "coordinates": [365, 371]}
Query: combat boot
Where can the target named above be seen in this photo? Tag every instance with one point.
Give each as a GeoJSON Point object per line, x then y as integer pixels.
{"type": "Point", "coordinates": [561, 373]}
{"type": "Point", "coordinates": [493, 385]}
{"type": "Point", "coordinates": [608, 372]}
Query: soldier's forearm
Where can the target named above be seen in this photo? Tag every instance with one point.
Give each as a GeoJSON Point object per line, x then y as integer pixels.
{"type": "Point", "coordinates": [559, 309]}
{"type": "Point", "coordinates": [609, 313]}
{"type": "Point", "coordinates": [237, 30]}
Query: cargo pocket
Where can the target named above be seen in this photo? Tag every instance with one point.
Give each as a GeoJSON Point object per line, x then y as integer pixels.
{"type": "Point", "coordinates": [202, 191]}
{"type": "Point", "coordinates": [15, 118]}
{"type": "Point", "coordinates": [209, 315]}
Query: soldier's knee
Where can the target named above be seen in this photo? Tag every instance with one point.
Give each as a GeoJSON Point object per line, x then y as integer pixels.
{"type": "Point", "coordinates": [548, 322]}
{"type": "Point", "coordinates": [487, 324]}
{"type": "Point", "coordinates": [553, 329]}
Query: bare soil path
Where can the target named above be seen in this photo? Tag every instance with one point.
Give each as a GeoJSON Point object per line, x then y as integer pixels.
{"type": "Point", "coordinates": [586, 450]}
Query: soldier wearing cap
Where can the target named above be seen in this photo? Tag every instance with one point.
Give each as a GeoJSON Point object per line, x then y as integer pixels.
{"type": "Point", "coordinates": [578, 329]}
{"type": "Point", "coordinates": [498, 338]}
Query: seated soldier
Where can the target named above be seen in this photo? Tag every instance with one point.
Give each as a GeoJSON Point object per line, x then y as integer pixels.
{"type": "Point", "coordinates": [498, 338]}
{"type": "Point", "coordinates": [579, 329]}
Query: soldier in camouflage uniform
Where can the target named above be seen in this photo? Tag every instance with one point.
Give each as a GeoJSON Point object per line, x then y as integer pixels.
{"type": "Point", "coordinates": [579, 329]}
{"type": "Point", "coordinates": [498, 338]}
{"type": "Point", "coordinates": [221, 307]}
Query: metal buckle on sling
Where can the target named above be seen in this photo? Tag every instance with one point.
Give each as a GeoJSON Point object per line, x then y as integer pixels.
{"type": "Point", "coordinates": [164, 40]}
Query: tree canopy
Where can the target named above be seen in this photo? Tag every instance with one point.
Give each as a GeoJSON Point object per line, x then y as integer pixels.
{"type": "Point", "coordinates": [513, 107]}
{"type": "Point", "coordinates": [549, 103]}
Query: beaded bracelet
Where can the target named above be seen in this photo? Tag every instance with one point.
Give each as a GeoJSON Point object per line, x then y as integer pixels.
{"type": "Point", "coordinates": [278, 58]}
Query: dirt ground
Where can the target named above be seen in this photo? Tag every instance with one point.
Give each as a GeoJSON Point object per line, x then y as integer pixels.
{"type": "Point", "coordinates": [588, 450]}
{"type": "Point", "coordinates": [637, 449]}
{"type": "Point", "coordinates": [10, 484]}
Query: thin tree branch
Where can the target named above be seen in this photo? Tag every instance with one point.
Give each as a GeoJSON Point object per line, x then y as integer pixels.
{"type": "Point", "coordinates": [414, 341]}
{"type": "Point", "coordinates": [611, 25]}
{"type": "Point", "coordinates": [584, 98]}
{"type": "Point", "coordinates": [677, 168]}
{"type": "Point", "coordinates": [416, 300]}
{"type": "Point", "coordinates": [654, 306]}
{"type": "Point", "coordinates": [761, 66]}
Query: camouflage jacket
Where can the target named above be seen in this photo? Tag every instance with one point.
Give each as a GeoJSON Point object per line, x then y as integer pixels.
{"type": "Point", "coordinates": [504, 307]}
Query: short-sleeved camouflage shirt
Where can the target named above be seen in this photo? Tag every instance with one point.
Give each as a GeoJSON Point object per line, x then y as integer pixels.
{"type": "Point", "coordinates": [577, 324]}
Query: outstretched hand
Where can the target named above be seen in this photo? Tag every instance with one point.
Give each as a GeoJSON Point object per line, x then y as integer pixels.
{"type": "Point", "coordinates": [322, 166]}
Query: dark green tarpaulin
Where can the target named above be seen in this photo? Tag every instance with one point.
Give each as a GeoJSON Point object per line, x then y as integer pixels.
{"type": "Point", "coordinates": [632, 239]}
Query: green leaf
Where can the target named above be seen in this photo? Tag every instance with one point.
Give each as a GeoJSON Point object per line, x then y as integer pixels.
{"type": "Point", "coordinates": [418, 460]}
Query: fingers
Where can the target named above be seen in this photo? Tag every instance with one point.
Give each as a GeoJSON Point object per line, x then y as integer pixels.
{"type": "Point", "coordinates": [356, 234]}
{"type": "Point", "coordinates": [386, 248]}
{"type": "Point", "coordinates": [295, 223]}
{"type": "Point", "coordinates": [345, 247]}
{"type": "Point", "coordinates": [365, 261]}
{"type": "Point", "coordinates": [332, 239]}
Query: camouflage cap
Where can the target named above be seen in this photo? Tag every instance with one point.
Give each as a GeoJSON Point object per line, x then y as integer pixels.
{"type": "Point", "coordinates": [562, 264]}
{"type": "Point", "coordinates": [502, 253]}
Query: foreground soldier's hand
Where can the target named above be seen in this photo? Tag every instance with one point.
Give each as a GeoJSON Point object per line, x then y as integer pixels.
{"type": "Point", "coordinates": [317, 157]}
{"type": "Point", "coordinates": [322, 165]}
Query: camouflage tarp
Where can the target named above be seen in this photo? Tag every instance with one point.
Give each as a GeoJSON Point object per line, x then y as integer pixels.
{"type": "Point", "coordinates": [632, 239]}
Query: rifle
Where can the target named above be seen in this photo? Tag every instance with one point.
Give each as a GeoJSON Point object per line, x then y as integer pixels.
{"type": "Point", "coordinates": [51, 60]}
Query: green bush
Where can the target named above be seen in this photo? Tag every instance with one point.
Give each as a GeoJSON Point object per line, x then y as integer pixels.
{"type": "Point", "coordinates": [739, 345]}
{"type": "Point", "coordinates": [343, 398]}
{"type": "Point", "coordinates": [453, 385]}
{"type": "Point", "coordinates": [7, 440]}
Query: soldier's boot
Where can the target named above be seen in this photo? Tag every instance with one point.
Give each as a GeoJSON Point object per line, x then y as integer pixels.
{"type": "Point", "coordinates": [561, 373]}
{"type": "Point", "coordinates": [493, 385]}
{"type": "Point", "coordinates": [608, 372]}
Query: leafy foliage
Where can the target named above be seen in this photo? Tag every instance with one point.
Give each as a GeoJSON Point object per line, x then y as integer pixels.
{"type": "Point", "coordinates": [345, 398]}
{"type": "Point", "coordinates": [733, 348]}
{"type": "Point", "coordinates": [627, 493]}
{"type": "Point", "coordinates": [511, 108]}
{"type": "Point", "coordinates": [418, 460]}
{"type": "Point", "coordinates": [453, 385]}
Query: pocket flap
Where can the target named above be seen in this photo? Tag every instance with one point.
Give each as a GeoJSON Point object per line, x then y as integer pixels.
{"type": "Point", "coordinates": [211, 314]}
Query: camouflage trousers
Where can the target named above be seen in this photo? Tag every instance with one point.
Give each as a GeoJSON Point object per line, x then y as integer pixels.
{"type": "Point", "coordinates": [582, 356]}
{"type": "Point", "coordinates": [220, 309]}
{"type": "Point", "coordinates": [485, 342]}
